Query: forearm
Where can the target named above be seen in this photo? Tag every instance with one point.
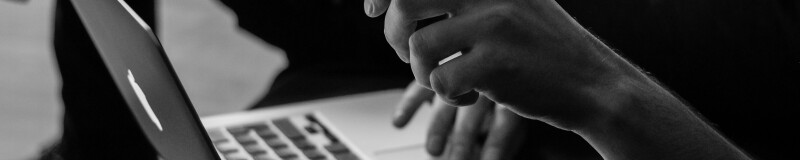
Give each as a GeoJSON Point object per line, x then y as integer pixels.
{"type": "Point", "coordinates": [645, 121]}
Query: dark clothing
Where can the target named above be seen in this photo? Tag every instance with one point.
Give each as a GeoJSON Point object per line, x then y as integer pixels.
{"type": "Point", "coordinates": [736, 62]}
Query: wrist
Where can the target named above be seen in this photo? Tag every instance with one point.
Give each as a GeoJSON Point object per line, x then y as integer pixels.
{"type": "Point", "coordinates": [626, 118]}
{"type": "Point", "coordinates": [639, 119]}
{"type": "Point", "coordinates": [633, 117]}
{"type": "Point", "coordinates": [617, 84]}
{"type": "Point", "coordinates": [612, 101]}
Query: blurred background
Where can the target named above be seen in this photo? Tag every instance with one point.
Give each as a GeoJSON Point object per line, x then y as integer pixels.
{"type": "Point", "coordinates": [223, 68]}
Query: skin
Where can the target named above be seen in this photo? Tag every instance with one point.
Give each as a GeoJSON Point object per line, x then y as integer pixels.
{"type": "Point", "coordinates": [455, 133]}
{"type": "Point", "coordinates": [535, 59]}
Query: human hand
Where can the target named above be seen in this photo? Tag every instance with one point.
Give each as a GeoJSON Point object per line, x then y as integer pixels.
{"type": "Point", "coordinates": [458, 133]}
{"type": "Point", "coordinates": [528, 55]}
{"type": "Point", "coordinates": [532, 57]}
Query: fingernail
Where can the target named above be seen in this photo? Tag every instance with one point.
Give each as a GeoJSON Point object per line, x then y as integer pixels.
{"type": "Point", "coordinates": [434, 145]}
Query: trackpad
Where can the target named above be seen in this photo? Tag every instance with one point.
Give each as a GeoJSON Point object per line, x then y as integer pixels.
{"type": "Point", "coordinates": [403, 153]}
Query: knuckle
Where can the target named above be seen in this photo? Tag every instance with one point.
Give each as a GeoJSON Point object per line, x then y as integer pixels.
{"type": "Point", "coordinates": [392, 37]}
{"type": "Point", "coordinates": [439, 84]}
{"type": "Point", "coordinates": [417, 44]}
{"type": "Point", "coordinates": [496, 143]}
{"type": "Point", "coordinates": [437, 130]}
{"type": "Point", "coordinates": [441, 125]}
{"type": "Point", "coordinates": [459, 141]}
{"type": "Point", "coordinates": [502, 16]}
{"type": "Point", "coordinates": [467, 131]}
{"type": "Point", "coordinates": [406, 7]}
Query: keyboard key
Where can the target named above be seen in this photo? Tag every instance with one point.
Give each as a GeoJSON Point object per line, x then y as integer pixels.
{"type": "Point", "coordinates": [313, 154]}
{"type": "Point", "coordinates": [246, 140]}
{"type": "Point", "coordinates": [285, 153]}
{"type": "Point", "coordinates": [337, 148]}
{"type": "Point", "coordinates": [276, 143]}
{"type": "Point", "coordinates": [220, 141]}
{"type": "Point", "coordinates": [227, 151]}
{"type": "Point", "coordinates": [346, 156]}
{"type": "Point", "coordinates": [262, 157]}
{"type": "Point", "coordinates": [235, 157]}
{"type": "Point", "coordinates": [313, 128]}
{"type": "Point", "coordinates": [266, 134]}
{"type": "Point", "coordinates": [288, 128]}
{"type": "Point", "coordinates": [304, 144]}
{"type": "Point", "coordinates": [311, 118]}
{"type": "Point", "coordinates": [257, 126]}
{"type": "Point", "coordinates": [235, 131]}
{"type": "Point", "coordinates": [246, 143]}
{"type": "Point", "coordinates": [255, 150]}
{"type": "Point", "coordinates": [330, 137]}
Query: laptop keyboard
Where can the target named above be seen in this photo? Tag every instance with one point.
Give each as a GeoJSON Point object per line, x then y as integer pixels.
{"type": "Point", "coordinates": [299, 137]}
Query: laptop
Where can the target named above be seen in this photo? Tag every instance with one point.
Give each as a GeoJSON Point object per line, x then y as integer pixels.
{"type": "Point", "coordinates": [354, 127]}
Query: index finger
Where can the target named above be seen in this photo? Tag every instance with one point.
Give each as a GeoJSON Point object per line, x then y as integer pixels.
{"type": "Point", "coordinates": [402, 16]}
{"type": "Point", "coordinates": [504, 137]}
{"type": "Point", "coordinates": [413, 98]}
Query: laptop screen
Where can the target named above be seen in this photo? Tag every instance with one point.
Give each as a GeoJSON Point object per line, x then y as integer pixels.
{"type": "Point", "coordinates": [144, 76]}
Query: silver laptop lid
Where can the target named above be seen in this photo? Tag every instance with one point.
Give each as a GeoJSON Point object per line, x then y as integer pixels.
{"type": "Point", "coordinates": [144, 76]}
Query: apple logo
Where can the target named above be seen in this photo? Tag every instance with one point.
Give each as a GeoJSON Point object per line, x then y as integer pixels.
{"type": "Point", "coordinates": [143, 100]}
